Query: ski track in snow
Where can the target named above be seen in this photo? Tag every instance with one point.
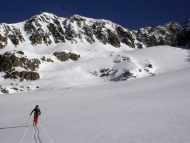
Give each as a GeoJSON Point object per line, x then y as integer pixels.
{"type": "Point", "coordinates": [37, 135]}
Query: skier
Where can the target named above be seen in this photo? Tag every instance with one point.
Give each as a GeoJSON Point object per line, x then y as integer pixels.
{"type": "Point", "coordinates": [37, 113]}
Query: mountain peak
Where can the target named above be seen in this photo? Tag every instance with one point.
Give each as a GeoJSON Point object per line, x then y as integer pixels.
{"type": "Point", "coordinates": [44, 17]}
{"type": "Point", "coordinates": [46, 14]}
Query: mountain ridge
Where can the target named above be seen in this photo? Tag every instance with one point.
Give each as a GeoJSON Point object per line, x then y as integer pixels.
{"type": "Point", "coordinates": [47, 28]}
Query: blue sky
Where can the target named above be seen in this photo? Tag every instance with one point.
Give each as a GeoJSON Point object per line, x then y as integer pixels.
{"type": "Point", "coordinates": [129, 13]}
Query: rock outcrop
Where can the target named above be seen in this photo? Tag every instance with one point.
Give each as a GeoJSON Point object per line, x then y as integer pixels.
{"type": "Point", "coordinates": [10, 61]}
{"type": "Point", "coordinates": [22, 75]}
{"type": "Point", "coordinates": [64, 56]}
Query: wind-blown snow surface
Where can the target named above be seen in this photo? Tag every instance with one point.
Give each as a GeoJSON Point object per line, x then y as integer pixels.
{"type": "Point", "coordinates": [79, 107]}
{"type": "Point", "coordinates": [153, 109]}
{"type": "Point", "coordinates": [96, 57]}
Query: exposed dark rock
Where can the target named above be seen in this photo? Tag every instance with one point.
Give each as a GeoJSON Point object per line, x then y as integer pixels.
{"type": "Point", "coordinates": [70, 34]}
{"type": "Point", "coordinates": [29, 26]}
{"type": "Point", "coordinates": [124, 76]}
{"type": "Point", "coordinates": [89, 34]}
{"type": "Point", "coordinates": [99, 32]}
{"type": "Point", "coordinates": [4, 90]}
{"type": "Point", "coordinates": [3, 41]}
{"type": "Point", "coordinates": [160, 35]}
{"type": "Point", "coordinates": [111, 74]}
{"type": "Point", "coordinates": [15, 36]}
{"type": "Point", "coordinates": [22, 75]}
{"type": "Point", "coordinates": [38, 35]}
{"type": "Point", "coordinates": [139, 45]}
{"type": "Point", "coordinates": [57, 32]}
{"type": "Point", "coordinates": [149, 65]}
{"type": "Point", "coordinates": [31, 64]}
{"type": "Point", "coordinates": [47, 59]}
{"type": "Point", "coordinates": [105, 72]}
{"type": "Point", "coordinates": [183, 38]}
{"type": "Point", "coordinates": [63, 56]}
{"type": "Point", "coordinates": [79, 19]}
{"type": "Point", "coordinates": [74, 56]}
{"type": "Point", "coordinates": [20, 52]}
{"type": "Point", "coordinates": [9, 60]}
{"type": "Point", "coordinates": [125, 36]}
{"type": "Point", "coordinates": [113, 39]}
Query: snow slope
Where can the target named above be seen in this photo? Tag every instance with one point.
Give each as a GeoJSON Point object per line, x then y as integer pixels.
{"type": "Point", "coordinates": [94, 58]}
{"type": "Point", "coordinates": [78, 106]}
{"type": "Point", "coordinates": [163, 59]}
{"type": "Point", "coordinates": [137, 111]}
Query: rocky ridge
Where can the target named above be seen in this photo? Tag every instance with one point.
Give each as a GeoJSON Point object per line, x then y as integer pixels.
{"type": "Point", "coordinates": [48, 28]}
{"type": "Point", "coordinates": [173, 34]}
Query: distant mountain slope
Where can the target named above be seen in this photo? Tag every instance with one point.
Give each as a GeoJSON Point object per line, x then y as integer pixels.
{"type": "Point", "coordinates": [173, 34]}
{"type": "Point", "coordinates": [49, 29]}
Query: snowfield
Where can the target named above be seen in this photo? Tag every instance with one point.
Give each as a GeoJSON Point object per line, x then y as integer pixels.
{"type": "Point", "coordinates": [79, 106]}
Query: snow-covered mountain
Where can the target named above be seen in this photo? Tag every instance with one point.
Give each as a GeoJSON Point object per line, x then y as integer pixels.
{"type": "Point", "coordinates": [95, 81]}
{"type": "Point", "coordinates": [82, 50]}
{"type": "Point", "coordinates": [48, 29]}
